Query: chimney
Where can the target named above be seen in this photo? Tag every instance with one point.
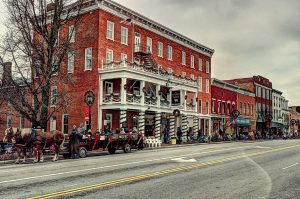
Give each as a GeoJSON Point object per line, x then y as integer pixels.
{"type": "Point", "coordinates": [7, 74]}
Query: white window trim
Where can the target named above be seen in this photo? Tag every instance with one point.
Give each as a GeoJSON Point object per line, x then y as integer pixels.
{"type": "Point", "coordinates": [70, 68]}
{"type": "Point", "coordinates": [159, 43]}
{"type": "Point", "coordinates": [112, 55]}
{"type": "Point", "coordinates": [192, 61]}
{"type": "Point", "coordinates": [8, 117]}
{"type": "Point", "coordinates": [200, 66]}
{"type": "Point", "coordinates": [207, 85]}
{"type": "Point", "coordinates": [207, 66]}
{"type": "Point", "coordinates": [72, 33]}
{"type": "Point", "coordinates": [183, 58]}
{"type": "Point", "coordinates": [112, 87]}
{"type": "Point", "coordinates": [126, 35]}
{"type": "Point", "coordinates": [123, 55]}
{"type": "Point", "coordinates": [149, 44]}
{"type": "Point", "coordinates": [201, 84]}
{"type": "Point", "coordinates": [85, 59]}
{"type": "Point", "coordinates": [170, 53]}
{"type": "Point", "coordinates": [51, 96]}
{"type": "Point", "coordinates": [113, 30]}
{"type": "Point", "coordinates": [51, 123]}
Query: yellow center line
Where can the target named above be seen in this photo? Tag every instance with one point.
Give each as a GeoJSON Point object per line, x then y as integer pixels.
{"type": "Point", "coordinates": [155, 174]}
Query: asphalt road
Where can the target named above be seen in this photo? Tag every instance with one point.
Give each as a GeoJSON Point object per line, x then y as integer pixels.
{"type": "Point", "coordinates": [269, 169]}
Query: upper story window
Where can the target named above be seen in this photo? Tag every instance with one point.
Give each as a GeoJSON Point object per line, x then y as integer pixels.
{"type": "Point", "coordinates": [223, 107]}
{"type": "Point", "coordinates": [72, 33]}
{"type": "Point", "coordinates": [160, 49]}
{"type": "Point", "coordinates": [71, 62]}
{"type": "Point", "coordinates": [55, 66]}
{"type": "Point", "coordinates": [228, 108]}
{"type": "Point", "coordinates": [88, 59]}
{"type": "Point", "coordinates": [219, 106]}
{"type": "Point", "coordinates": [110, 30]}
{"type": "Point", "coordinates": [200, 106]}
{"type": "Point", "coordinates": [200, 64]}
{"type": "Point", "coordinates": [183, 58]}
{"type": "Point", "coordinates": [207, 66]}
{"type": "Point", "coordinates": [213, 106]}
{"type": "Point", "coordinates": [8, 121]}
{"type": "Point", "coordinates": [124, 35]}
{"type": "Point", "coordinates": [207, 86]}
{"type": "Point", "coordinates": [207, 107]}
{"type": "Point", "coordinates": [109, 56]}
{"type": "Point", "coordinates": [149, 45]}
{"type": "Point", "coordinates": [22, 122]}
{"type": "Point", "coordinates": [170, 53]}
{"type": "Point", "coordinates": [54, 95]}
{"type": "Point", "coordinates": [200, 84]}
{"type": "Point", "coordinates": [241, 107]}
{"type": "Point", "coordinates": [245, 109]}
{"type": "Point", "coordinates": [192, 61]}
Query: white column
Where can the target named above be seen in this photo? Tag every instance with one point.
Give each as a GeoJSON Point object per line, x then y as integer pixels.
{"type": "Point", "coordinates": [184, 126]}
{"type": "Point", "coordinates": [101, 92]}
{"type": "Point", "coordinates": [157, 95]}
{"type": "Point", "coordinates": [123, 117]}
{"type": "Point", "coordinates": [172, 126]}
{"type": "Point", "coordinates": [122, 90]}
{"type": "Point", "coordinates": [157, 124]}
{"type": "Point", "coordinates": [142, 122]}
{"type": "Point", "coordinates": [195, 102]}
{"type": "Point", "coordinates": [184, 94]}
{"type": "Point", "coordinates": [195, 124]}
{"type": "Point", "coordinates": [142, 85]}
{"type": "Point", "coordinates": [100, 118]}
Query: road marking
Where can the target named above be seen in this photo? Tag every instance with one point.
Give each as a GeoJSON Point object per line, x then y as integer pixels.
{"type": "Point", "coordinates": [117, 165]}
{"type": "Point", "coordinates": [156, 174]}
{"type": "Point", "coordinates": [182, 160]}
{"type": "Point", "coordinates": [263, 147]}
{"type": "Point", "coordinates": [290, 166]}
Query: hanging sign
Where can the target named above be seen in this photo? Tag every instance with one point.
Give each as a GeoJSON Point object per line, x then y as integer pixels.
{"type": "Point", "coordinates": [86, 112]}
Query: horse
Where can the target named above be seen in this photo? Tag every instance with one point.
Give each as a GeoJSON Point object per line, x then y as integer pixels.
{"type": "Point", "coordinates": [37, 141]}
{"type": "Point", "coordinates": [18, 140]}
{"type": "Point", "coordinates": [48, 139]}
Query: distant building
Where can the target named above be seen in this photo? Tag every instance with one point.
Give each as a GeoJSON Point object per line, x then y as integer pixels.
{"type": "Point", "coordinates": [280, 120]}
{"type": "Point", "coordinates": [262, 88]}
{"type": "Point", "coordinates": [294, 122]}
{"type": "Point", "coordinates": [227, 97]}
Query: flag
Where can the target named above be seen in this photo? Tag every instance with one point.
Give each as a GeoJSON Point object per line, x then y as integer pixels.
{"type": "Point", "coordinates": [127, 21]}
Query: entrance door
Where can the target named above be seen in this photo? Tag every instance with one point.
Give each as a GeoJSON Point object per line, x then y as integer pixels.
{"type": "Point", "coordinates": [137, 42]}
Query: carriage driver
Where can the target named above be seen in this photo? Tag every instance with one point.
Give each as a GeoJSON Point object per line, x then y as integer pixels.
{"type": "Point", "coordinates": [74, 140]}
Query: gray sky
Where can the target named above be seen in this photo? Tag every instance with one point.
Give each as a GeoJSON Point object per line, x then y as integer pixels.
{"type": "Point", "coordinates": [250, 37]}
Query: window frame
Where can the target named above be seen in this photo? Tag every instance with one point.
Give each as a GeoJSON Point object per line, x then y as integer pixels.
{"type": "Point", "coordinates": [112, 56]}
{"type": "Point", "coordinates": [160, 51]}
{"type": "Point", "coordinates": [192, 61]}
{"type": "Point", "coordinates": [71, 60]}
{"type": "Point", "coordinates": [124, 36]}
{"type": "Point", "coordinates": [149, 44]}
{"type": "Point", "coordinates": [207, 67]}
{"type": "Point", "coordinates": [87, 57]}
{"type": "Point", "coordinates": [53, 96]}
{"type": "Point", "coordinates": [170, 53]}
{"type": "Point", "coordinates": [183, 58]}
{"type": "Point", "coordinates": [108, 31]}
{"type": "Point", "coordinates": [72, 34]}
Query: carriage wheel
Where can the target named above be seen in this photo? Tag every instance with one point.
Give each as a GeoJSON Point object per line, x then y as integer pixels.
{"type": "Point", "coordinates": [111, 150]}
{"type": "Point", "coordinates": [82, 152]}
{"type": "Point", "coordinates": [127, 148]}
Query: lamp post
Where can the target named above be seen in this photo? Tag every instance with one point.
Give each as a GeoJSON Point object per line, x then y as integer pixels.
{"type": "Point", "coordinates": [89, 98]}
{"type": "Point", "coordinates": [235, 114]}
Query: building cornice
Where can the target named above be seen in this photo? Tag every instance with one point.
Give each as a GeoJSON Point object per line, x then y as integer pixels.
{"type": "Point", "coordinates": [140, 20]}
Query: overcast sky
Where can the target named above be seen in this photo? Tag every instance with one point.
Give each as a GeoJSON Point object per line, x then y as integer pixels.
{"type": "Point", "coordinates": [250, 37]}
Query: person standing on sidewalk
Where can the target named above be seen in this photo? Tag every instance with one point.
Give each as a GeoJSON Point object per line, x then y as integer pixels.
{"type": "Point", "coordinates": [179, 135]}
{"type": "Point", "coordinates": [74, 141]}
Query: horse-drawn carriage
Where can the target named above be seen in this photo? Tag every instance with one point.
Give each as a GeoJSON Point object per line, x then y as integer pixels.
{"type": "Point", "coordinates": [109, 142]}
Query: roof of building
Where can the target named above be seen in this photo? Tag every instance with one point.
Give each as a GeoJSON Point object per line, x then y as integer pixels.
{"type": "Point", "coordinates": [232, 87]}
{"type": "Point", "coordinates": [139, 19]}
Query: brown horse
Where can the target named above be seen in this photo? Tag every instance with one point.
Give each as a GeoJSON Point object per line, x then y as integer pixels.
{"type": "Point", "coordinates": [19, 140]}
{"type": "Point", "coordinates": [24, 139]}
{"type": "Point", "coordinates": [48, 139]}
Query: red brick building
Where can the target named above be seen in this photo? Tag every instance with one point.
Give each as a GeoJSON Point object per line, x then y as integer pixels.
{"type": "Point", "coordinates": [262, 87]}
{"type": "Point", "coordinates": [138, 70]}
{"type": "Point", "coordinates": [227, 97]}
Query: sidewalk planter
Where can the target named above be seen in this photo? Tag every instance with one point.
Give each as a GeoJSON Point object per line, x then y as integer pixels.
{"type": "Point", "coordinates": [172, 141]}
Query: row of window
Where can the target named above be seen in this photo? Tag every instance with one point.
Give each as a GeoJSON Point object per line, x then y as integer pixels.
{"type": "Point", "coordinates": [247, 109]}
{"type": "Point", "coordinates": [222, 108]}
{"type": "Point", "coordinates": [21, 122]}
{"type": "Point", "coordinates": [160, 47]}
{"type": "Point", "coordinates": [263, 92]}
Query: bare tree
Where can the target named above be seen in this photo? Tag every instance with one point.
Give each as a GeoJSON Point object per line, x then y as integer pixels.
{"type": "Point", "coordinates": [34, 45]}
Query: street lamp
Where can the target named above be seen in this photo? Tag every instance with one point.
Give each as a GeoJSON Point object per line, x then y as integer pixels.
{"type": "Point", "coordinates": [235, 114]}
{"type": "Point", "coordinates": [89, 98]}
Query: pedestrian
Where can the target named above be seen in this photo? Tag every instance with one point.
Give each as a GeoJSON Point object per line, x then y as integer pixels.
{"type": "Point", "coordinates": [74, 140]}
{"type": "Point", "coordinates": [179, 135]}
{"type": "Point", "coordinates": [166, 135]}
{"type": "Point", "coordinates": [140, 143]}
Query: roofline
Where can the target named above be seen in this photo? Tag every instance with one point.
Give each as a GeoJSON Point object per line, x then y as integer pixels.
{"type": "Point", "coordinates": [151, 23]}
{"type": "Point", "coordinates": [232, 85]}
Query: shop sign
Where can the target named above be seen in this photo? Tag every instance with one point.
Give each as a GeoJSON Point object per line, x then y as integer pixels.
{"type": "Point", "coordinates": [241, 121]}
{"type": "Point", "coordinates": [176, 98]}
